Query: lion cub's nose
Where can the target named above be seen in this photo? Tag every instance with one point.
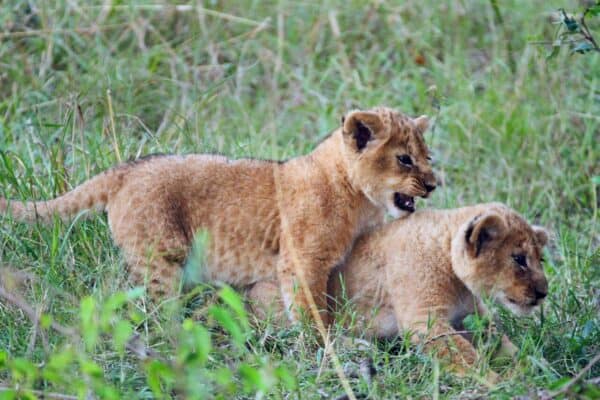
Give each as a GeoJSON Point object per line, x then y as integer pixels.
{"type": "Point", "coordinates": [430, 188]}
{"type": "Point", "coordinates": [540, 294]}
{"type": "Point", "coordinates": [540, 289]}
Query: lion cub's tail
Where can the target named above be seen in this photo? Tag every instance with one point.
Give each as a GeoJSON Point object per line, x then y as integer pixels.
{"type": "Point", "coordinates": [93, 194]}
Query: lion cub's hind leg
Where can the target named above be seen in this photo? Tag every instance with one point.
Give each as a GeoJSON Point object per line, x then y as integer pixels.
{"type": "Point", "coordinates": [160, 276]}
{"type": "Point", "coordinates": [155, 241]}
{"type": "Point", "coordinates": [265, 302]}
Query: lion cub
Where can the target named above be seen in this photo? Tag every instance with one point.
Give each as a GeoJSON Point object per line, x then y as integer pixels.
{"type": "Point", "coordinates": [427, 272]}
{"type": "Point", "coordinates": [265, 219]}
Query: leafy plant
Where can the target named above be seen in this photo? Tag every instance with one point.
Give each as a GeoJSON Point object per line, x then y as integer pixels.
{"type": "Point", "coordinates": [187, 368]}
{"type": "Point", "coordinates": [574, 32]}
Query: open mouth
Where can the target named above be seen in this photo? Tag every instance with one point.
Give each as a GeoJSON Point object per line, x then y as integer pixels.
{"type": "Point", "coordinates": [404, 202]}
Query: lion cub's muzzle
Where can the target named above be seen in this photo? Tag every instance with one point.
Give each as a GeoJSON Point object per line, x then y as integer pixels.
{"type": "Point", "coordinates": [407, 203]}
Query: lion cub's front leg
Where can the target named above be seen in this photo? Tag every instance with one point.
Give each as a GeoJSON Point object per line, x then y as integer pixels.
{"type": "Point", "coordinates": [448, 344]}
{"type": "Point", "coordinates": [507, 348]}
{"type": "Point", "coordinates": [297, 274]}
{"type": "Point", "coordinates": [306, 260]}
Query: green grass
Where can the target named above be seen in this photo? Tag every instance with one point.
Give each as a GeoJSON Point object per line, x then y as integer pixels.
{"type": "Point", "coordinates": [272, 85]}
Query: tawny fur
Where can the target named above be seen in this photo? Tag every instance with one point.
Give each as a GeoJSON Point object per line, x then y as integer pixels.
{"type": "Point", "coordinates": [156, 205]}
{"type": "Point", "coordinates": [426, 272]}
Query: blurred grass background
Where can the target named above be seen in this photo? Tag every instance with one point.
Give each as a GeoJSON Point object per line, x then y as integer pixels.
{"type": "Point", "coordinates": [84, 85]}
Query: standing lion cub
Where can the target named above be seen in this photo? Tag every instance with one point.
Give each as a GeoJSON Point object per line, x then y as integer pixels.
{"type": "Point", "coordinates": [266, 220]}
{"type": "Point", "coordinates": [427, 272]}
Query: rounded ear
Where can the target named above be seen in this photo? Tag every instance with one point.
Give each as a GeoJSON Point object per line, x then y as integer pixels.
{"type": "Point", "coordinates": [422, 123]}
{"type": "Point", "coordinates": [483, 230]}
{"type": "Point", "coordinates": [541, 235]}
{"type": "Point", "coordinates": [362, 127]}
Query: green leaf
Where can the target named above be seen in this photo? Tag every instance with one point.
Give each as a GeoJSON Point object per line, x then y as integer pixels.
{"type": "Point", "coordinates": [58, 365]}
{"type": "Point", "coordinates": [45, 321]}
{"type": "Point", "coordinates": [8, 394]}
{"type": "Point", "coordinates": [233, 300]}
{"type": "Point", "coordinates": [136, 316]}
{"type": "Point", "coordinates": [157, 374]}
{"type": "Point", "coordinates": [286, 377]}
{"type": "Point", "coordinates": [559, 383]}
{"type": "Point", "coordinates": [3, 359]}
{"type": "Point", "coordinates": [89, 328]}
{"type": "Point", "coordinates": [591, 392]}
{"type": "Point", "coordinates": [107, 392]}
{"type": "Point", "coordinates": [27, 396]}
{"type": "Point", "coordinates": [121, 334]}
{"type": "Point", "coordinates": [224, 377]}
{"type": "Point", "coordinates": [596, 180]}
{"type": "Point", "coordinates": [114, 302]}
{"type": "Point", "coordinates": [251, 378]}
{"type": "Point", "coordinates": [228, 322]}
{"type": "Point", "coordinates": [90, 368]}
{"type": "Point", "coordinates": [195, 344]}
{"type": "Point", "coordinates": [594, 10]}
{"type": "Point", "coordinates": [23, 370]}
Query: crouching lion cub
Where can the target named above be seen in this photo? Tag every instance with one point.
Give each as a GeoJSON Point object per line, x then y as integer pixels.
{"type": "Point", "coordinates": [427, 272]}
{"type": "Point", "coordinates": [265, 219]}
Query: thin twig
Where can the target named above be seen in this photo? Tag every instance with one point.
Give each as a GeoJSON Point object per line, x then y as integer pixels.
{"type": "Point", "coordinates": [111, 120]}
{"type": "Point", "coordinates": [20, 303]}
{"type": "Point", "coordinates": [576, 378]}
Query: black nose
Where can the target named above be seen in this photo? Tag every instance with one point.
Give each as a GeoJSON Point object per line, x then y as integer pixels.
{"type": "Point", "coordinates": [429, 188]}
{"type": "Point", "coordinates": [540, 294]}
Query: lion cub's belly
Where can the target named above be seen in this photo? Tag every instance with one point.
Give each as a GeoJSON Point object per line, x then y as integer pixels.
{"type": "Point", "coordinates": [243, 250]}
{"type": "Point", "coordinates": [239, 266]}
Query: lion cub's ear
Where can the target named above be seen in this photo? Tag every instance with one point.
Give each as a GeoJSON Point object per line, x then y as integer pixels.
{"type": "Point", "coordinates": [422, 123]}
{"type": "Point", "coordinates": [362, 127]}
{"type": "Point", "coordinates": [484, 230]}
{"type": "Point", "coordinates": [541, 235]}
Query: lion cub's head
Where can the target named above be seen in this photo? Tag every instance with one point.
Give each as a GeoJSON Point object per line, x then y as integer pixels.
{"type": "Point", "coordinates": [499, 254]}
{"type": "Point", "coordinates": [387, 158]}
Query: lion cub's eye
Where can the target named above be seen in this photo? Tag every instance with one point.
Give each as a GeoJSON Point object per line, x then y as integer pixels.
{"type": "Point", "coordinates": [405, 159]}
{"type": "Point", "coordinates": [520, 259]}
